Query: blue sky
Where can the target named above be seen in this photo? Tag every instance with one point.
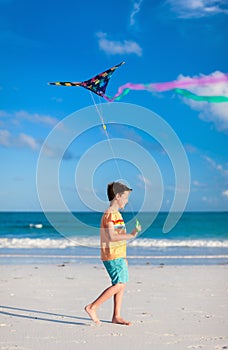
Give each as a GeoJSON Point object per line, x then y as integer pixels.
{"type": "Point", "coordinates": [74, 40]}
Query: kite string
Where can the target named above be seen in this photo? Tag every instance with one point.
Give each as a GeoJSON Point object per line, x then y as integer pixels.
{"type": "Point", "coordinates": [106, 133]}
{"type": "Point", "coordinates": [98, 111]}
{"type": "Point", "coordinates": [109, 140]}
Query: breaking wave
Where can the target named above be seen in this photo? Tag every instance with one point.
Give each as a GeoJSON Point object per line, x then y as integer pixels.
{"type": "Point", "coordinates": [49, 243]}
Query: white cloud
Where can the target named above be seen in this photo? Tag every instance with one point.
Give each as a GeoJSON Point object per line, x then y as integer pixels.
{"type": "Point", "coordinates": [190, 148]}
{"type": "Point", "coordinates": [198, 8]}
{"type": "Point", "coordinates": [118, 47]}
{"type": "Point", "coordinates": [22, 140]}
{"type": "Point", "coordinates": [136, 9]}
{"type": "Point", "coordinates": [211, 201]}
{"type": "Point", "coordinates": [198, 184]}
{"type": "Point", "coordinates": [213, 112]}
{"type": "Point", "coordinates": [28, 141]}
{"type": "Point", "coordinates": [225, 193]}
{"type": "Point", "coordinates": [37, 118]}
{"type": "Point", "coordinates": [219, 167]}
{"type": "Point", "coordinates": [5, 138]}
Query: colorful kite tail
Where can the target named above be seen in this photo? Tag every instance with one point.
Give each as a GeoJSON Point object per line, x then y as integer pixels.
{"type": "Point", "coordinates": [189, 94]}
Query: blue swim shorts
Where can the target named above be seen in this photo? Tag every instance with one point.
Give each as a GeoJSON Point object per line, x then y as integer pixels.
{"type": "Point", "coordinates": [117, 270]}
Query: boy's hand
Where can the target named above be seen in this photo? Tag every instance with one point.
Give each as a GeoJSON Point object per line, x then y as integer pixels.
{"type": "Point", "coordinates": [134, 233]}
{"type": "Point", "coordinates": [139, 228]}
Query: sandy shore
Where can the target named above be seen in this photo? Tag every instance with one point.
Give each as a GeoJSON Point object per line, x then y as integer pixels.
{"type": "Point", "coordinates": [171, 307]}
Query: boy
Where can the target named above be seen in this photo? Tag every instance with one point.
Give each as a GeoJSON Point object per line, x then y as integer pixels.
{"type": "Point", "coordinates": [113, 239]}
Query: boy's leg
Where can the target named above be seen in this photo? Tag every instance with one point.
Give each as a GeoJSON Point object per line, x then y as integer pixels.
{"type": "Point", "coordinates": [118, 297]}
{"type": "Point", "coordinates": [105, 295]}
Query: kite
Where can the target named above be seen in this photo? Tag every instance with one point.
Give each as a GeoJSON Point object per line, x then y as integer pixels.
{"type": "Point", "coordinates": [97, 84]}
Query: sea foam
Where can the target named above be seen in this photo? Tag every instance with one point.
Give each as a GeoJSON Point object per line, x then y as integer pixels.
{"type": "Point", "coordinates": [94, 242]}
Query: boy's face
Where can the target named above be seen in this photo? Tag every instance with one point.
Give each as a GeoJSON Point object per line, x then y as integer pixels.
{"type": "Point", "coordinates": [122, 199]}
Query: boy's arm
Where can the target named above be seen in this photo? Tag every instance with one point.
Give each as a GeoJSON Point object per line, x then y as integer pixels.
{"type": "Point", "coordinates": [114, 237]}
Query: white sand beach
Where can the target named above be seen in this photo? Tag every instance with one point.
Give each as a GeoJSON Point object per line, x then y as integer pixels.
{"type": "Point", "coordinates": [171, 307]}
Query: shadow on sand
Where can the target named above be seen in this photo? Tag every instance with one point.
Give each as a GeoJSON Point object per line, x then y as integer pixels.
{"type": "Point", "coordinates": [10, 311]}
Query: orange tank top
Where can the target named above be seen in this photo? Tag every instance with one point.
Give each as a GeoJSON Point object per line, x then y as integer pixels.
{"type": "Point", "coordinates": [112, 250]}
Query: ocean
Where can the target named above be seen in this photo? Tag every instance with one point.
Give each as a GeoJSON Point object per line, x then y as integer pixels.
{"type": "Point", "coordinates": [28, 237]}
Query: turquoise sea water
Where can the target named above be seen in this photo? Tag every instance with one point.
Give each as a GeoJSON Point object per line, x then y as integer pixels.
{"type": "Point", "coordinates": [198, 238]}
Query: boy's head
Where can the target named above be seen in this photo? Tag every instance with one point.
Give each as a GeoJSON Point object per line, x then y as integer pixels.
{"type": "Point", "coordinates": [115, 188]}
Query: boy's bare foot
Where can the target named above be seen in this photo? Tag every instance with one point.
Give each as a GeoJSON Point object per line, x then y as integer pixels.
{"type": "Point", "coordinates": [119, 320]}
{"type": "Point", "coordinates": [92, 314]}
